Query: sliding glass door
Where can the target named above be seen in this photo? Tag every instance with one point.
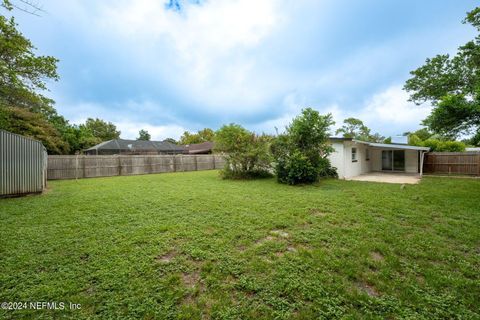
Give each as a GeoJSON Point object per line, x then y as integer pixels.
{"type": "Point", "coordinates": [399, 160]}
{"type": "Point", "coordinates": [387, 160]}
{"type": "Point", "coordinates": [393, 160]}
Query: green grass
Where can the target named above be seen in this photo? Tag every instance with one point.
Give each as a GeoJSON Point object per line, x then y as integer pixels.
{"type": "Point", "coordinates": [190, 245]}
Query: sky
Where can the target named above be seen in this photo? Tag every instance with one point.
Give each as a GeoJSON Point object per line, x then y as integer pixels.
{"type": "Point", "coordinates": [173, 65]}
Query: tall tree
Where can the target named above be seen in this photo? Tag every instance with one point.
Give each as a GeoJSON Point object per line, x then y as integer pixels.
{"type": "Point", "coordinates": [353, 128]}
{"type": "Point", "coordinates": [356, 129]}
{"type": "Point", "coordinates": [143, 135]}
{"type": "Point", "coordinates": [102, 129]}
{"type": "Point", "coordinates": [204, 135]}
{"type": "Point", "coordinates": [23, 79]}
{"type": "Point", "coordinates": [452, 86]}
{"type": "Point", "coordinates": [23, 74]}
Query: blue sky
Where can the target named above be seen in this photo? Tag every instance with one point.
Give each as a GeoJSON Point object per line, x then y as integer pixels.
{"type": "Point", "coordinates": [145, 64]}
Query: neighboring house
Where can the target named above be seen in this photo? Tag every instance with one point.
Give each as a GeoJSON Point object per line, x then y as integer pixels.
{"type": "Point", "coordinates": [475, 149]}
{"type": "Point", "coordinates": [200, 148]}
{"type": "Point", "coordinates": [139, 147]}
{"type": "Point", "coordinates": [353, 157]}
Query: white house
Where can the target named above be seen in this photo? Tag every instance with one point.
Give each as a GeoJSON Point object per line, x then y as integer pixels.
{"type": "Point", "coordinates": [354, 157]}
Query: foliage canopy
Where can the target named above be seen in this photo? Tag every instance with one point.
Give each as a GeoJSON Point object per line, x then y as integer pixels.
{"type": "Point", "coordinates": [452, 86]}
{"type": "Point", "coordinates": [246, 154]}
{"type": "Point", "coordinates": [301, 153]}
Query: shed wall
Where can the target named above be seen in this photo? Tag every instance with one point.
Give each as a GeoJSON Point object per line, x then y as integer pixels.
{"type": "Point", "coordinates": [23, 165]}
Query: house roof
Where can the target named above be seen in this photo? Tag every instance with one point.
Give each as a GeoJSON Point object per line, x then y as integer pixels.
{"type": "Point", "coordinates": [380, 145]}
{"type": "Point", "coordinates": [199, 147]}
{"type": "Point", "coordinates": [132, 145]}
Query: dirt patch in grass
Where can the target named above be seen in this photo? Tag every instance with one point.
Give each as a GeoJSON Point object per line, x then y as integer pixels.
{"type": "Point", "coordinates": [368, 289]}
{"type": "Point", "coordinates": [241, 248]}
{"type": "Point", "coordinates": [166, 258]}
{"type": "Point", "coordinates": [288, 249]}
{"type": "Point", "coordinates": [191, 279]}
{"type": "Point", "coordinates": [263, 240]}
{"type": "Point", "coordinates": [291, 249]}
{"type": "Point", "coordinates": [376, 256]}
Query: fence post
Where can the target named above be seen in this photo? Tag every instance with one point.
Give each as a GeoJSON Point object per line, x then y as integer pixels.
{"type": "Point", "coordinates": [174, 159]}
{"type": "Point", "coordinates": [196, 164]}
{"type": "Point", "coordinates": [213, 158]}
{"type": "Point", "coordinates": [478, 164]}
{"type": "Point", "coordinates": [84, 166]}
{"type": "Point", "coordinates": [76, 166]}
{"type": "Point", "coordinates": [119, 165]}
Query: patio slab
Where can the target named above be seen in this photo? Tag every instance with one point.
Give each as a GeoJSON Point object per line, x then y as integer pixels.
{"type": "Point", "coordinates": [402, 178]}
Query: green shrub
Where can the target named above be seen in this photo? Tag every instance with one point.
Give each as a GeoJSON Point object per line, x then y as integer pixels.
{"type": "Point", "coordinates": [444, 146]}
{"type": "Point", "coordinates": [301, 153]}
{"type": "Point", "coordinates": [246, 154]}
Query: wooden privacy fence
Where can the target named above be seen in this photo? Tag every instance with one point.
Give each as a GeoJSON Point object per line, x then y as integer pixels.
{"type": "Point", "coordinates": [467, 163]}
{"type": "Point", "coordinates": [82, 166]}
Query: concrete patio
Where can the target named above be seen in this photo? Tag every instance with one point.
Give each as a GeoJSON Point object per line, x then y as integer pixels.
{"type": "Point", "coordinates": [400, 177]}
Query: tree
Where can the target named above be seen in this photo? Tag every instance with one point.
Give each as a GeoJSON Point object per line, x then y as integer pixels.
{"type": "Point", "coordinates": [301, 153]}
{"type": "Point", "coordinates": [356, 129]}
{"type": "Point", "coordinates": [246, 154]}
{"type": "Point", "coordinates": [353, 128]}
{"type": "Point", "coordinates": [143, 135]}
{"type": "Point", "coordinates": [22, 72]}
{"type": "Point", "coordinates": [33, 125]}
{"type": "Point", "coordinates": [101, 129]}
{"type": "Point", "coordinates": [424, 138]}
{"type": "Point", "coordinates": [171, 140]}
{"type": "Point", "coordinates": [23, 78]}
{"type": "Point", "coordinates": [204, 135]}
{"type": "Point", "coordinates": [452, 86]}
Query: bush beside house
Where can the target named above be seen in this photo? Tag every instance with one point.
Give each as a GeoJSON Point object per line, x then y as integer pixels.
{"type": "Point", "coordinates": [301, 153]}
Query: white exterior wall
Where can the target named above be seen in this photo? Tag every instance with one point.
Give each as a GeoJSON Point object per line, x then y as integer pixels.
{"type": "Point", "coordinates": [362, 165]}
{"type": "Point", "coordinates": [341, 159]}
{"type": "Point", "coordinates": [337, 158]}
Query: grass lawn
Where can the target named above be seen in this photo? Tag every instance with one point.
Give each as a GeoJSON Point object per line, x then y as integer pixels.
{"type": "Point", "coordinates": [190, 245]}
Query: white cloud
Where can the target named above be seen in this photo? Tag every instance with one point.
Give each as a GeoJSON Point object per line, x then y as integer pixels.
{"type": "Point", "coordinates": [203, 48]}
{"type": "Point", "coordinates": [388, 112]}
{"type": "Point", "coordinates": [130, 130]}
{"type": "Point", "coordinates": [391, 108]}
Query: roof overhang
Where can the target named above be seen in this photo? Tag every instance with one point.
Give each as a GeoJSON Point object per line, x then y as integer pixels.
{"type": "Point", "coordinates": [396, 146]}
{"type": "Point", "coordinates": [380, 145]}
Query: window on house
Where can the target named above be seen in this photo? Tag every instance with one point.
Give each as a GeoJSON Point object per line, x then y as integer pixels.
{"type": "Point", "coordinates": [354, 154]}
{"type": "Point", "coordinates": [367, 154]}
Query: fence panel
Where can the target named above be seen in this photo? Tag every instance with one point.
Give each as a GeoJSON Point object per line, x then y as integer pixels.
{"type": "Point", "coordinates": [77, 167]}
{"type": "Point", "coordinates": [460, 163]}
